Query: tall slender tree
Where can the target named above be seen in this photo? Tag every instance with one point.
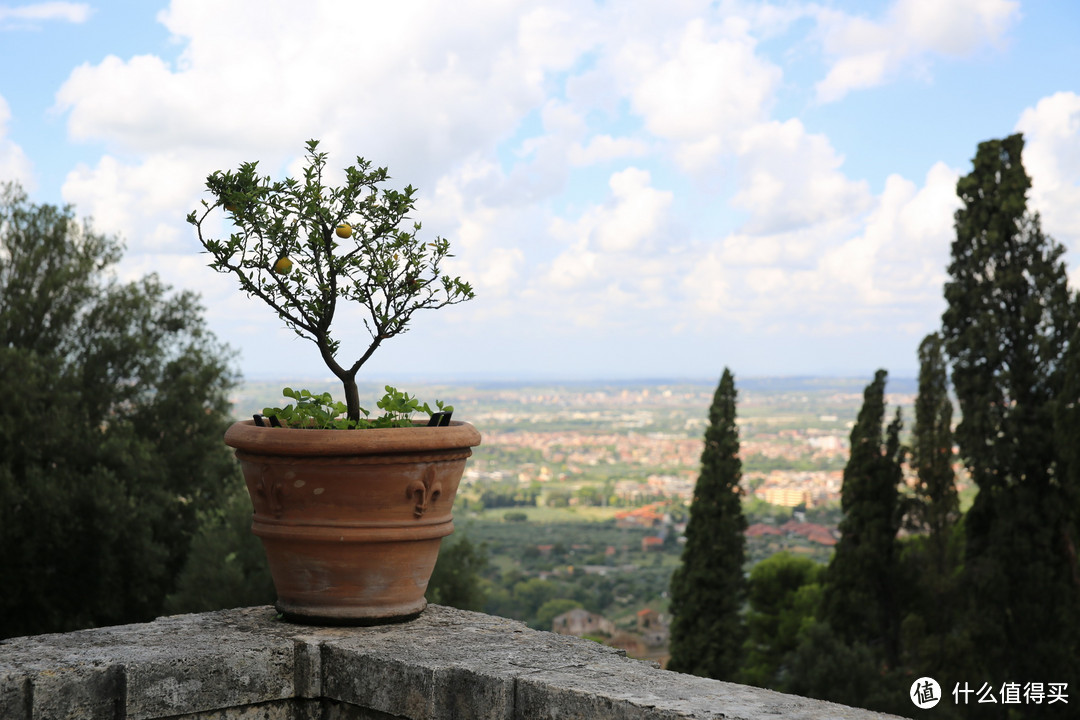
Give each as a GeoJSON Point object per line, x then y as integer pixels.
{"type": "Point", "coordinates": [860, 599]}
{"type": "Point", "coordinates": [1067, 431]}
{"type": "Point", "coordinates": [938, 506]}
{"type": "Point", "coordinates": [708, 589]}
{"type": "Point", "coordinates": [1007, 324]}
{"type": "Point", "coordinates": [849, 654]}
{"type": "Point", "coordinates": [932, 556]}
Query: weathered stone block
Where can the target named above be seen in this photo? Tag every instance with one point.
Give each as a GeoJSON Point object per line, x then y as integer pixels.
{"type": "Point", "coordinates": [14, 694]}
{"type": "Point", "coordinates": [445, 665]}
{"type": "Point", "coordinates": [79, 692]}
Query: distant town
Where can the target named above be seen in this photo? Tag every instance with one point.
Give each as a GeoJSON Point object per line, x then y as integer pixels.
{"type": "Point", "coordinates": [580, 492]}
{"type": "Point", "coordinates": [645, 439]}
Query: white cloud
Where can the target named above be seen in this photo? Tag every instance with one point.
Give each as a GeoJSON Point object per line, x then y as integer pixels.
{"type": "Point", "coordinates": [62, 11]}
{"type": "Point", "coordinates": [574, 268]}
{"type": "Point", "coordinates": [840, 273]}
{"type": "Point", "coordinates": [707, 288]}
{"type": "Point", "coordinates": [555, 35]}
{"type": "Point", "coordinates": [901, 256]}
{"type": "Point", "coordinates": [144, 203]}
{"type": "Point", "coordinates": [615, 264]}
{"type": "Point", "coordinates": [700, 90]}
{"type": "Point", "coordinates": [1052, 159]}
{"type": "Point", "coordinates": [630, 222]}
{"type": "Point", "coordinates": [604, 148]}
{"type": "Point", "coordinates": [544, 159]}
{"type": "Point", "coordinates": [868, 53]}
{"type": "Point", "coordinates": [433, 88]}
{"type": "Point", "coordinates": [15, 166]}
{"type": "Point", "coordinates": [791, 179]}
{"type": "Point", "coordinates": [486, 240]}
{"type": "Point", "coordinates": [954, 28]}
{"type": "Point", "coordinates": [636, 215]}
{"type": "Point", "coordinates": [432, 85]}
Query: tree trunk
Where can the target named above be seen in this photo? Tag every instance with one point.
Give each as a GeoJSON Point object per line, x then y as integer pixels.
{"type": "Point", "coordinates": [352, 397]}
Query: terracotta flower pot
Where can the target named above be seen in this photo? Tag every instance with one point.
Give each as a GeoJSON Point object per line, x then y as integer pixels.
{"type": "Point", "coordinates": [351, 520]}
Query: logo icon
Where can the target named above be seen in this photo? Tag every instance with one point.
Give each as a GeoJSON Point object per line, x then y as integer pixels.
{"type": "Point", "coordinates": [925, 693]}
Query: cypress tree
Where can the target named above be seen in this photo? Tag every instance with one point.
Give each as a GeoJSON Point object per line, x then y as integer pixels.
{"type": "Point", "coordinates": [861, 584]}
{"type": "Point", "coordinates": [932, 557]}
{"type": "Point", "coordinates": [1006, 327]}
{"type": "Point", "coordinates": [708, 589]}
{"type": "Point", "coordinates": [1067, 432]}
{"type": "Point", "coordinates": [938, 506]}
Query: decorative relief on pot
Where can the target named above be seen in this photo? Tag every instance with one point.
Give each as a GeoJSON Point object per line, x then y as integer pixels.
{"type": "Point", "coordinates": [272, 494]}
{"type": "Point", "coordinates": [424, 492]}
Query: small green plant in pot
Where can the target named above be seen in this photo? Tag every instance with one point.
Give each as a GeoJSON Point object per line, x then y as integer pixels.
{"type": "Point", "coordinates": [323, 412]}
{"type": "Point", "coordinates": [350, 509]}
{"type": "Point", "coordinates": [304, 249]}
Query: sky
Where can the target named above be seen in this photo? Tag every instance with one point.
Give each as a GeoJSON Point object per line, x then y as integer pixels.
{"type": "Point", "coordinates": [635, 188]}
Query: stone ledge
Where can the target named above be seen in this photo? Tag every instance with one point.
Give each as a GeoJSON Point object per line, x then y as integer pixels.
{"type": "Point", "coordinates": [447, 664]}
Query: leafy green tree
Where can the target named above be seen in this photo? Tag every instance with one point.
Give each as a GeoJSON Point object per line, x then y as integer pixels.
{"type": "Point", "coordinates": [530, 595]}
{"type": "Point", "coordinates": [825, 666]}
{"type": "Point", "coordinates": [934, 640]}
{"type": "Point", "coordinates": [457, 579]}
{"type": "Point", "coordinates": [115, 401]}
{"type": "Point", "coordinates": [860, 599]}
{"type": "Point", "coordinates": [1006, 326]}
{"type": "Point", "coordinates": [708, 589]}
{"type": "Point", "coordinates": [226, 566]}
{"type": "Point", "coordinates": [784, 593]}
{"type": "Point", "coordinates": [380, 264]}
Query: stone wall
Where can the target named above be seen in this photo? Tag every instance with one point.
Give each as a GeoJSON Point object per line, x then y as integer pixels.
{"type": "Point", "coordinates": [449, 664]}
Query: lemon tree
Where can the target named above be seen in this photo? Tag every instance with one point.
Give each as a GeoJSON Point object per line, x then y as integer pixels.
{"type": "Point", "coordinates": [305, 248]}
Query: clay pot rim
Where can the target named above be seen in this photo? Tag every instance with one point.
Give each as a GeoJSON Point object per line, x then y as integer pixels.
{"type": "Point", "coordinates": [246, 436]}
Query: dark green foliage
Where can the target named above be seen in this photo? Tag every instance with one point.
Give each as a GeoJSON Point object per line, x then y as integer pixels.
{"type": "Point", "coordinates": [1007, 323]}
{"type": "Point", "coordinates": [934, 556]}
{"type": "Point", "coordinates": [1008, 318]}
{"type": "Point", "coordinates": [708, 589]}
{"type": "Point", "coordinates": [1067, 433]}
{"type": "Point", "coordinates": [938, 507]}
{"type": "Point", "coordinates": [934, 639]}
{"type": "Point", "coordinates": [115, 400]}
{"type": "Point", "coordinates": [826, 667]}
{"type": "Point", "coordinates": [784, 594]}
{"type": "Point", "coordinates": [226, 566]}
{"type": "Point", "coordinates": [534, 592]}
{"type": "Point", "coordinates": [860, 600]}
{"type": "Point", "coordinates": [850, 651]}
{"type": "Point", "coordinates": [380, 263]}
{"type": "Point", "coordinates": [456, 580]}
{"type": "Point", "coordinates": [1007, 326]}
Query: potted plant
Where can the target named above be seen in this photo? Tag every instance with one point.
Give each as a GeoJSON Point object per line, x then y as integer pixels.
{"type": "Point", "coordinates": [350, 509]}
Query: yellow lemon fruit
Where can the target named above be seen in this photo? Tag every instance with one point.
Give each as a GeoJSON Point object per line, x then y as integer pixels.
{"type": "Point", "coordinates": [283, 266]}
{"type": "Point", "coordinates": [344, 231]}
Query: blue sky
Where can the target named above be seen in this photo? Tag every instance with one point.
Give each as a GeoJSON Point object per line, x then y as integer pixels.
{"type": "Point", "coordinates": [636, 189]}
